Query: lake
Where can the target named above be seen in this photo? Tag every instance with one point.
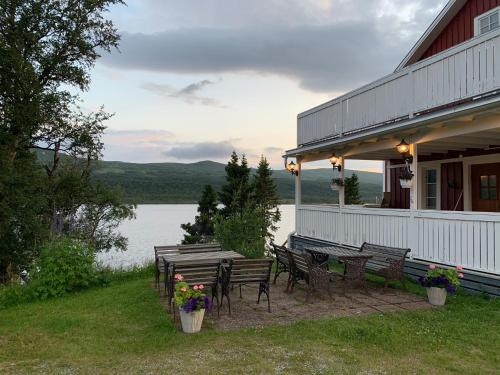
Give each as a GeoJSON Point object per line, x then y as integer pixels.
{"type": "Point", "coordinates": [159, 224]}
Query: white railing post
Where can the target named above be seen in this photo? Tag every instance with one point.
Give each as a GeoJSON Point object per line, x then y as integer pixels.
{"type": "Point", "coordinates": [340, 225]}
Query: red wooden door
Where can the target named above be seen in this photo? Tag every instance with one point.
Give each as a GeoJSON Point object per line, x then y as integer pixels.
{"type": "Point", "coordinates": [452, 187]}
{"type": "Point", "coordinates": [485, 180]}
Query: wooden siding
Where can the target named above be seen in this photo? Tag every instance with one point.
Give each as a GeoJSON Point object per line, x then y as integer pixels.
{"type": "Point", "coordinates": [461, 27]}
{"type": "Point", "coordinates": [460, 74]}
{"type": "Point", "coordinates": [400, 198]}
{"type": "Point", "coordinates": [452, 186]}
{"type": "Point", "coordinates": [470, 239]}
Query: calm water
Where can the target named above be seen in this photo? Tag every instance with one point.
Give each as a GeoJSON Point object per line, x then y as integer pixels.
{"type": "Point", "coordinates": [159, 224]}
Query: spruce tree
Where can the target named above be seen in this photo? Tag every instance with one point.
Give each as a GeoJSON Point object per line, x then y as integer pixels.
{"type": "Point", "coordinates": [352, 195]}
{"type": "Point", "coordinates": [203, 228]}
{"type": "Point", "coordinates": [265, 197]}
{"type": "Point", "coordinates": [235, 193]}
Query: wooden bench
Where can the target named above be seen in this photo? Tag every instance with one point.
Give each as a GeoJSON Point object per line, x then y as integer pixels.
{"type": "Point", "coordinates": [302, 267]}
{"type": "Point", "coordinates": [179, 249]}
{"type": "Point", "coordinates": [246, 271]}
{"type": "Point", "coordinates": [386, 261]}
{"type": "Point", "coordinates": [206, 273]}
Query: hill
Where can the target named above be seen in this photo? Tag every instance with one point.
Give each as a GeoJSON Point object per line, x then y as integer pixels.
{"type": "Point", "coordinates": [182, 183]}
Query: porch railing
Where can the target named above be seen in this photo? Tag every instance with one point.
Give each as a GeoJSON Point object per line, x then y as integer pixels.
{"type": "Point", "coordinates": [470, 239]}
{"type": "Point", "coordinates": [459, 74]}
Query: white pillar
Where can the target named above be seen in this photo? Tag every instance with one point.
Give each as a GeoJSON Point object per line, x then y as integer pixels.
{"type": "Point", "coordinates": [342, 188]}
{"type": "Point", "coordinates": [415, 186]}
{"type": "Point", "coordinates": [298, 185]}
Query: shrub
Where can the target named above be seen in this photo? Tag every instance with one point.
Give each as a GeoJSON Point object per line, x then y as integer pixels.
{"type": "Point", "coordinates": [243, 233]}
{"type": "Point", "coordinates": [65, 265]}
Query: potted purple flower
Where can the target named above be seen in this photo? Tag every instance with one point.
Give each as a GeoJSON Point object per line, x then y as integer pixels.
{"type": "Point", "coordinates": [192, 302]}
{"type": "Point", "coordinates": [406, 178]}
{"type": "Point", "coordinates": [439, 282]}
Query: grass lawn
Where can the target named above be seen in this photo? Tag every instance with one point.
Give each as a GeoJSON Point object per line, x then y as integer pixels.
{"type": "Point", "coordinates": [123, 329]}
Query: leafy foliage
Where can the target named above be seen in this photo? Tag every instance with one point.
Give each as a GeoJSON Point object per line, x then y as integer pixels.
{"type": "Point", "coordinates": [65, 265]}
{"type": "Point", "coordinates": [351, 192]}
{"type": "Point", "coordinates": [242, 232]}
{"type": "Point", "coordinates": [438, 277]}
{"type": "Point", "coordinates": [202, 230]}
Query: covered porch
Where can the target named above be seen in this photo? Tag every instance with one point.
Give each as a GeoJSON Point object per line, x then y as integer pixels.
{"type": "Point", "coordinates": [450, 214]}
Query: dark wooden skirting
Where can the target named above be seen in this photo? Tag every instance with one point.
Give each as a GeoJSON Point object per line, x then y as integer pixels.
{"type": "Point", "coordinates": [473, 281]}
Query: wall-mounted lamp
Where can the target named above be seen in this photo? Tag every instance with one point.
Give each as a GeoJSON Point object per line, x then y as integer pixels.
{"type": "Point", "coordinates": [335, 160]}
{"type": "Point", "coordinates": [292, 168]}
{"type": "Point", "coordinates": [404, 149]}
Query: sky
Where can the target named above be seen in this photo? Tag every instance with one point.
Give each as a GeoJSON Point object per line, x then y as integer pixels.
{"type": "Point", "coordinates": [196, 79]}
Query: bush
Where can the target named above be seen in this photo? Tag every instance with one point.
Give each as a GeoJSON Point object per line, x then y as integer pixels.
{"type": "Point", "coordinates": [243, 233]}
{"type": "Point", "coordinates": [65, 265]}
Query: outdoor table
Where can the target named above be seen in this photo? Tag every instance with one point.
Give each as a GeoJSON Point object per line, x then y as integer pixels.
{"type": "Point", "coordinates": [354, 260]}
{"type": "Point", "coordinates": [208, 256]}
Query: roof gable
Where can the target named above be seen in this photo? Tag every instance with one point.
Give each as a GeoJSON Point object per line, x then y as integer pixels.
{"type": "Point", "coordinates": [437, 26]}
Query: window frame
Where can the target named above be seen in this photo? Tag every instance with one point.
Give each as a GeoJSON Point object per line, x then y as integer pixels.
{"type": "Point", "coordinates": [482, 16]}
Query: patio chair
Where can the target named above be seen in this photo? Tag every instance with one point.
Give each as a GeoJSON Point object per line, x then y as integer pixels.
{"type": "Point", "coordinates": [195, 273]}
{"type": "Point", "coordinates": [159, 265]}
{"type": "Point", "coordinates": [282, 262]}
{"type": "Point", "coordinates": [243, 272]}
{"type": "Point", "coordinates": [302, 267]}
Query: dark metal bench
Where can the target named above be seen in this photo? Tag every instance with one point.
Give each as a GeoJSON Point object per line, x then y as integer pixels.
{"type": "Point", "coordinates": [302, 267]}
{"type": "Point", "coordinates": [193, 273]}
{"type": "Point", "coordinates": [386, 261]}
{"type": "Point", "coordinates": [282, 262]}
{"type": "Point", "coordinates": [246, 271]}
{"type": "Point", "coordinates": [178, 249]}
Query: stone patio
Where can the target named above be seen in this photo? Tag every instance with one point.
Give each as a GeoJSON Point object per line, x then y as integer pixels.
{"type": "Point", "coordinates": [289, 308]}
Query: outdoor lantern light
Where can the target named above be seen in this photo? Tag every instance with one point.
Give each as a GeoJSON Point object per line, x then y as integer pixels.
{"type": "Point", "coordinates": [292, 167]}
{"type": "Point", "coordinates": [403, 147]}
{"type": "Point", "coordinates": [335, 160]}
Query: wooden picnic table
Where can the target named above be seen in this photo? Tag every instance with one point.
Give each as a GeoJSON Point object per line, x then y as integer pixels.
{"type": "Point", "coordinates": [213, 255]}
{"type": "Point", "coordinates": [354, 261]}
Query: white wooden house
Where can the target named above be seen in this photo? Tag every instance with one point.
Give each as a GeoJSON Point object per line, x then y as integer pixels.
{"type": "Point", "coordinates": [444, 101]}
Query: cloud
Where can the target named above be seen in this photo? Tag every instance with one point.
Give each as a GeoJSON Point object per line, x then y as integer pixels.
{"type": "Point", "coordinates": [189, 94]}
{"type": "Point", "coordinates": [333, 47]}
{"type": "Point", "coordinates": [201, 151]}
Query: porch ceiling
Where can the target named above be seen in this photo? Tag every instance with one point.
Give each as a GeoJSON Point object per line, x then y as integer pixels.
{"type": "Point", "coordinates": [462, 135]}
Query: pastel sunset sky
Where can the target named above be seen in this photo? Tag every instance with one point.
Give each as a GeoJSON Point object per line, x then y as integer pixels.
{"type": "Point", "coordinates": [195, 79]}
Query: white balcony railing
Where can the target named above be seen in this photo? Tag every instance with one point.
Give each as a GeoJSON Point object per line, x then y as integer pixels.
{"type": "Point", "coordinates": [471, 239]}
{"type": "Point", "coordinates": [461, 73]}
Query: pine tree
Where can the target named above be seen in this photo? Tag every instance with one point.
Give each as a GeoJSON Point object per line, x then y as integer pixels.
{"type": "Point", "coordinates": [203, 228]}
{"type": "Point", "coordinates": [265, 197]}
{"type": "Point", "coordinates": [352, 195]}
{"type": "Point", "coordinates": [236, 192]}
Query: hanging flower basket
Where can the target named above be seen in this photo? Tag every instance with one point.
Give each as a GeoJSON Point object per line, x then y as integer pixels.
{"type": "Point", "coordinates": [405, 184]}
{"type": "Point", "coordinates": [406, 178]}
{"type": "Point", "coordinates": [336, 184]}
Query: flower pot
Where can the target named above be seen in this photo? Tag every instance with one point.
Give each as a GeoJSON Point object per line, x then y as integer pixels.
{"type": "Point", "coordinates": [405, 184]}
{"type": "Point", "coordinates": [335, 187]}
{"type": "Point", "coordinates": [191, 322]}
{"type": "Point", "coordinates": [437, 296]}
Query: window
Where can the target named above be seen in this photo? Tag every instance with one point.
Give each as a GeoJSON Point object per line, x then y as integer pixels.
{"type": "Point", "coordinates": [431, 189]}
{"type": "Point", "coordinates": [488, 188]}
{"type": "Point", "coordinates": [489, 21]}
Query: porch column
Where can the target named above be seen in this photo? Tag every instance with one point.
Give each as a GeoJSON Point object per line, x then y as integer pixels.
{"type": "Point", "coordinates": [341, 188]}
{"type": "Point", "coordinates": [298, 184]}
{"type": "Point", "coordinates": [415, 185]}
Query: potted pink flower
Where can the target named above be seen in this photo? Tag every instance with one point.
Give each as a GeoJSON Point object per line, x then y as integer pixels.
{"type": "Point", "coordinates": [192, 302]}
{"type": "Point", "coordinates": [439, 282]}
